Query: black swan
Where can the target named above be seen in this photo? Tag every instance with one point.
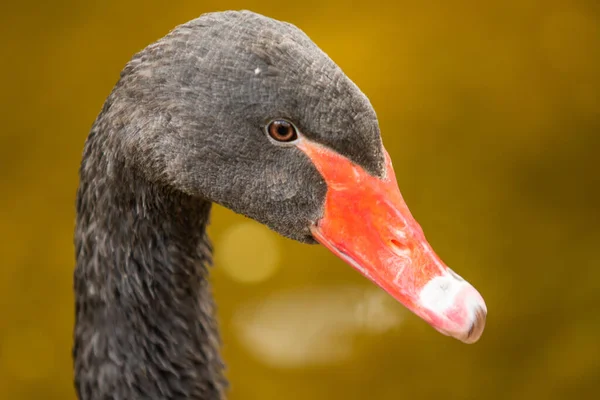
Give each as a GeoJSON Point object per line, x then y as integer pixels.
{"type": "Point", "coordinates": [245, 111]}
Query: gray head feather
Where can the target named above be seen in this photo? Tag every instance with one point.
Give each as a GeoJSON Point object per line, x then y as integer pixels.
{"type": "Point", "coordinates": [190, 110]}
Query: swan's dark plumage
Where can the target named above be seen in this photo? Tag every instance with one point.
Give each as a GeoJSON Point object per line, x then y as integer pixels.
{"type": "Point", "coordinates": [182, 128]}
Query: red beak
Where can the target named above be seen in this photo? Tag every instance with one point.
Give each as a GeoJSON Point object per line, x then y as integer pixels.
{"type": "Point", "coordinates": [367, 224]}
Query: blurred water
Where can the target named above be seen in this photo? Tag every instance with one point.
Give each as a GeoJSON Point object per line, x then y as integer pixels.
{"type": "Point", "coordinates": [312, 326]}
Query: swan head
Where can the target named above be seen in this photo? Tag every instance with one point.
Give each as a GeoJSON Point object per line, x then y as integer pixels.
{"type": "Point", "coordinates": [248, 112]}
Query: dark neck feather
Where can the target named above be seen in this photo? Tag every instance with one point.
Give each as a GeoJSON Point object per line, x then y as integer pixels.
{"type": "Point", "coordinates": [144, 313]}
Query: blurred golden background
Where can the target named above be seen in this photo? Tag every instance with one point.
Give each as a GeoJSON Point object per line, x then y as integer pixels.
{"type": "Point", "coordinates": [491, 113]}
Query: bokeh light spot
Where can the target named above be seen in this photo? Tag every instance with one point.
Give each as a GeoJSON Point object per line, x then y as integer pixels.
{"type": "Point", "coordinates": [248, 253]}
{"type": "Point", "coordinates": [312, 326]}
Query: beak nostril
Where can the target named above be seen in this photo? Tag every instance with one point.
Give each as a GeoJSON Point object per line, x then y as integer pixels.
{"type": "Point", "coordinates": [395, 243]}
{"type": "Point", "coordinates": [400, 245]}
{"type": "Point", "coordinates": [399, 248]}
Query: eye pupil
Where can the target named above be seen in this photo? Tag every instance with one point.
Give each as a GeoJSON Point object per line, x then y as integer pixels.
{"type": "Point", "coordinates": [282, 131]}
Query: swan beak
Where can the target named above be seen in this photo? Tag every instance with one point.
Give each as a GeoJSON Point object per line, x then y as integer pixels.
{"type": "Point", "coordinates": [367, 224]}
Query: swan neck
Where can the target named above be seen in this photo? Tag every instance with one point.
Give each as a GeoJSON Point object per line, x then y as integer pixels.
{"type": "Point", "coordinates": [145, 326]}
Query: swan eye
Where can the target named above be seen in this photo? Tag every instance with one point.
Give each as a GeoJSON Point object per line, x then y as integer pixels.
{"type": "Point", "coordinates": [282, 130]}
